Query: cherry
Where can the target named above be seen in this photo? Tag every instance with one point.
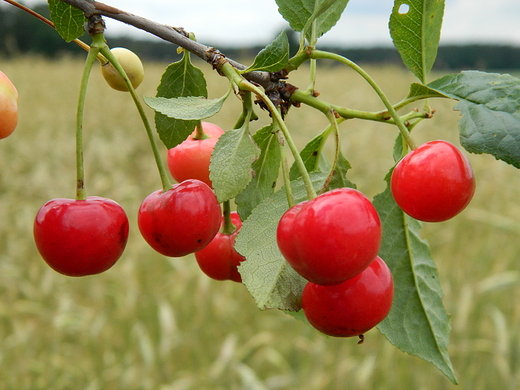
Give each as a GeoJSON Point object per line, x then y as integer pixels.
{"type": "Point", "coordinates": [180, 221]}
{"type": "Point", "coordinates": [434, 182]}
{"type": "Point", "coordinates": [191, 158]}
{"type": "Point", "coordinates": [81, 237]}
{"type": "Point", "coordinates": [284, 234]}
{"type": "Point", "coordinates": [331, 238]}
{"type": "Point", "coordinates": [132, 65]}
{"type": "Point", "coordinates": [219, 260]}
{"type": "Point", "coordinates": [8, 106]}
{"type": "Point", "coordinates": [352, 307]}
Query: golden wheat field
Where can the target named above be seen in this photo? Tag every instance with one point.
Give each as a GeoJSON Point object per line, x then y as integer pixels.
{"type": "Point", "coordinates": [156, 323]}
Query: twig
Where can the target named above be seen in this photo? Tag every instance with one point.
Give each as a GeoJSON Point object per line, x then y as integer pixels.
{"type": "Point", "coordinates": [178, 36]}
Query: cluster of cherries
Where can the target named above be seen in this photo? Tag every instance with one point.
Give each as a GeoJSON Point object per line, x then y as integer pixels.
{"type": "Point", "coordinates": [80, 237]}
{"type": "Point", "coordinates": [332, 240]}
{"type": "Point", "coordinates": [86, 237]}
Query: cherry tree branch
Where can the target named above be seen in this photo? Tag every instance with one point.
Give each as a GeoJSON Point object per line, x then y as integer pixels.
{"type": "Point", "coordinates": [277, 90]}
{"type": "Point", "coordinates": [178, 36]}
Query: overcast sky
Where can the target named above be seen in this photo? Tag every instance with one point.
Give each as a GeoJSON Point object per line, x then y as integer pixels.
{"type": "Point", "coordinates": [242, 22]}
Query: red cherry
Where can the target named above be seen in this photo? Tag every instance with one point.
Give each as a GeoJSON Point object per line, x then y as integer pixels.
{"type": "Point", "coordinates": [81, 237]}
{"type": "Point", "coordinates": [331, 238]}
{"type": "Point", "coordinates": [219, 260]}
{"type": "Point", "coordinates": [180, 221]}
{"type": "Point", "coordinates": [191, 158]}
{"type": "Point", "coordinates": [284, 233]}
{"type": "Point", "coordinates": [434, 182]}
{"type": "Point", "coordinates": [352, 307]}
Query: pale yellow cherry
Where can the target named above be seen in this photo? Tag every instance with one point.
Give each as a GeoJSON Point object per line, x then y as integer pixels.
{"type": "Point", "coordinates": [131, 64]}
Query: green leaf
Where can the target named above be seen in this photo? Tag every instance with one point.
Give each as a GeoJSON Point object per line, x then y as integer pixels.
{"type": "Point", "coordinates": [424, 92]}
{"type": "Point", "coordinates": [320, 9]}
{"type": "Point", "coordinates": [400, 150]}
{"type": "Point", "coordinates": [312, 156]}
{"type": "Point", "coordinates": [415, 28]}
{"type": "Point", "coordinates": [273, 57]}
{"type": "Point", "coordinates": [490, 108]}
{"type": "Point", "coordinates": [418, 323]}
{"type": "Point", "coordinates": [339, 180]}
{"type": "Point", "coordinates": [186, 108]}
{"type": "Point", "coordinates": [231, 161]}
{"type": "Point", "coordinates": [68, 20]}
{"type": "Point", "coordinates": [180, 79]}
{"type": "Point", "coordinates": [266, 170]}
{"type": "Point", "coordinates": [301, 13]}
{"type": "Point", "coordinates": [315, 161]}
{"type": "Point", "coordinates": [266, 274]}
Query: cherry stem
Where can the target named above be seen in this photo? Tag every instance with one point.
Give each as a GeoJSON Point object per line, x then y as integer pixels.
{"type": "Point", "coordinates": [318, 54]}
{"type": "Point", "coordinates": [228, 227]}
{"type": "Point", "coordinates": [165, 180]}
{"type": "Point", "coordinates": [310, 100]}
{"type": "Point", "coordinates": [80, 169]}
{"type": "Point", "coordinates": [313, 63]}
{"type": "Point", "coordinates": [232, 74]}
{"type": "Point", "coordinates": [334, 126]}
{"type": "Point", "coordinates": [285, 167]}
{"type": "Point", "coordinates": [199, 132]}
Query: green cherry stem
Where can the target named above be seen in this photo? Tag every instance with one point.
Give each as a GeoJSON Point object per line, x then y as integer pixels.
{"type": "Point", "coordinates": [80, 168]}
{"type": "Point", "coordinates": [318, 54]}
{"type": "Point", "coordinates": [166, 183]}
{"type": "Point", "coordinates": [285, 166]}
{"type": "Point", "coordinates": [307, 98]}
{"type": "Point", "coordinates": [228, 226]}
{"type": "Point", "coordinates": [334, 126]}
{"type": "Point", "coordinates": [277, 116]}
{"type": "Point", "coordinates": [199, 132]}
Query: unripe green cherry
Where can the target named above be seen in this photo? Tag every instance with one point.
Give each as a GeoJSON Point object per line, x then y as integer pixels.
{"type": "Point", "coordinates": [131, 64]}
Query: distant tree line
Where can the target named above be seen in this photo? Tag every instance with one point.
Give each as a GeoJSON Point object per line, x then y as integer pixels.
{"type": "Point", "coordinates": [22, 34]}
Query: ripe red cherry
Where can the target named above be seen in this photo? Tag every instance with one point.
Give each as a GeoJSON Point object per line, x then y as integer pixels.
{"type": "Point", "coordinates": [434, 182]}
{"type": "Point", "coordinates": [81, 237]}
{"type": "Point", "coordinates": [191, 158]}
{"type": "Point", "coordinates": [219, 260]}
{"type": "Point", "coordinates": [352, 307]}
{"type": "Point", "coordinates": [180, 221]}
{"type": "Point", "coordinates": [331, 238]}
{"type": "Point", "coordinates": [284, 234]}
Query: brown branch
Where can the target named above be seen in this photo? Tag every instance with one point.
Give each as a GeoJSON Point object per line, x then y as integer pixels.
{"type": "Point", "coordinates": [178, 36]}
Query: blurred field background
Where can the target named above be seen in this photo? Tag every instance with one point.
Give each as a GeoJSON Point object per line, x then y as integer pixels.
{"type": "Point", "coordinates": [158, 323]}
